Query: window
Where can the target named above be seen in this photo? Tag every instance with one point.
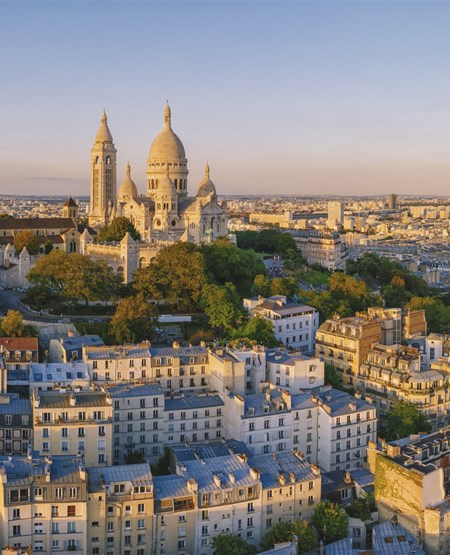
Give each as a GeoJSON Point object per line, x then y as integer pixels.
{"type": "Point", "coordinates": [59, 493]}
{"type": "Point", "coordinates": [16, 513]}
{"type": "Point", "coordinates": [55, 527]}
{"type": "Point", "coordinates": [71, 527]}
{"type": "Point", "coordinates": [16, 531]}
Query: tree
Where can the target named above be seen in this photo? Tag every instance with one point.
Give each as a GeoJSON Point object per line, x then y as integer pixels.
{"type": "Point", "coordinates": [255, 330]}
{"type": "Point", "coordinates": [74, 276]}
{"type": "Point", "coordinates": [12, 325]}
{"type": "Point", "coordinates": [261, 285]}
{"type": "Point", "coordinates": [361, 508]}
{"type": "Point", "coordinates": [222, 305]}
{"type": "Point", "coordinates": [331, 375]}
{"type": "Point", "coordinates": [224, 262]}
{"type": "Point", "coordinates": [134, 320]}
{"type": "Point", "coordinates": [177, 274]}
{"type": "Point", "coordinates": [28, 240]}
{"type": "Point", "coordinates": [225, 544]}
{"type": "Point", "coordinates": [48, 247]}
{"type": "Point", "coordinates": [284, 286]}
{"type": "Point", "coordinates": [285, 531]}
{"type": "Point", "coordinates": [116, 230]}
{"type": "Point", "coordinates": [403, 420]}
{"type": "Point", "coordinates": [330, 521]}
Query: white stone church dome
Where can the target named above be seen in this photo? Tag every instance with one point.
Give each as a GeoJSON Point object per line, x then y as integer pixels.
{"type": "Point", "coordinates": [167, 145]}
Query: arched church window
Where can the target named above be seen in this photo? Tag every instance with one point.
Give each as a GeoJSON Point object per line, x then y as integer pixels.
{"type": "Point", "coordinates": [158, 206]}
{"type": "Point", "coordinates": [97, 160]}
{"type": "Point", "coordinates": [142, 262]}
{"type": "Point", "coordinates": [173, 206]}
{"type": "Point", "coordinates": [157, 182]}
{"type": "Point", "coordinates": [174, 223]}
{"type": "Point", "coordinates": [175, 183]}
{"type": "Point", "coordinates": [158, 223]}
{"type": "Point", "coordinates": [108, 159]}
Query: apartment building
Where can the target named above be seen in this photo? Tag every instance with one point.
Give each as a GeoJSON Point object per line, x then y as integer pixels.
{"type": "Point", "coordinates": [322, 247]}
{"type": "Point", "coordinates": [193, 418]}
{"type": "Point", "coordinates": [17, 353]}
{"type": "Point", "coordinates": [138, 422]}
{"type": "Point", "coordinates": [393, 373]}
{"type": "Point", "coordinates": [16, 424]}
{"type": "Point", "coordinates": [345, 342]}
{"type": "Point", "coordinates": [410, 486]}
{"type": "Point", "coordinates": [263, 421]}
{"type": "Point", "coordinates": [120, 510]}
{"type": "Point", "coordinates": [176, 506]}
{"type": "Point", "coordinates": [61, 375]}
{"type": "Point", "coordinates": [43, 503]}
{"type": "Point", "coordinates": [70, 348]}
{"type": "Point", "coordinates": [397, 324]}
{"type": "Point", "coordinates": [73, 423]}
{"type": "Point", "coordinates": [346, 424]}
{"type": "Point", "coordinates": [290, 487]}
{"type": "Point", "coordinates": [229, 499]}
{"type": "Point", "coordinates": [294, 324]}
{"type": "Point", "coordinates": [305, 426]}
{"type": "Point", "coordinates": [294, 371]}
{"type": "Point", "coordinates": [118, 363]}
{"type": "Point", "coordinates": [229, 372]}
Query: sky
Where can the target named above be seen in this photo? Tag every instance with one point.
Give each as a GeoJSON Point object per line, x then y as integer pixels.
{"type": "Point", "coordinates": [279, 97]}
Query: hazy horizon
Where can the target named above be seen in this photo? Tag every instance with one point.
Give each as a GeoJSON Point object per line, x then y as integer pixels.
{"type": "Point", "coordinates": [295, 98]}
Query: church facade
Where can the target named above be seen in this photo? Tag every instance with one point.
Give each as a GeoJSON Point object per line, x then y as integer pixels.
{"type": "Point", "coordinates": [164, 215]}
{"type": "Point", "coordinates": [166, 212]}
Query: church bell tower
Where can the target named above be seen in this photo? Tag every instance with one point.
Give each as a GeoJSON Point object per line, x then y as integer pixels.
{"type": "Point", "coordinates": [103, 176]}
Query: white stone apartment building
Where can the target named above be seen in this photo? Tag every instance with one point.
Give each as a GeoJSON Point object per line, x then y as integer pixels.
{"type": "Point", "coordinates": [118, 363]}
{"type": "Point", "coordinates": [294, 372]}
{"type": "Point", "coordinates": [75, 424]}
{"type": "Point", "coordinates": [120, 510]}
{"type": "Point", "coordinates": [291, 488]}
{"type": "Point", "coordinates": [138, 421]}
{"type": "Point", "coordinates": [237, 370]}
{"type": "Point", "coordinates": [43, 504]}
{"type": "Point", "coordinates": [193, 418]}
{"type": "Point", "coordinates": [305, 427]}
{"type": "Point", "coordinates": [346, 425]}
{"type": "Point", "coordinates": [320, 247]}
{"type": "Point", "coordinates": [294, 324]}
{"type": "Point", "coordinates": [263, 421]}
{"type": "Point", "coordinates": [229, 499]}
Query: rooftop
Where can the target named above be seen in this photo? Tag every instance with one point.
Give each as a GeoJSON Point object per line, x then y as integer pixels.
{"type": "Point", "coordinates": [193, 401]}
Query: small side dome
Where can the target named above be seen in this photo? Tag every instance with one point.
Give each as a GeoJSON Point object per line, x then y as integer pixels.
{"type": "Point", "coordinates": [128, 189]}
{"type": "Point", "coordinates": [206, 186]}
{"type": "Point", "coordinates": [166, 186]}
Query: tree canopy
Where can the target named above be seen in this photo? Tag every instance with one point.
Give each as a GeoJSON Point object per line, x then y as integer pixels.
{"type": "Point", "coordinates": [74, 276]}
{"type": "Point", "coordinates": [134, 320]}
{"type": "Point", "coordinates": [330, 521]}
{"type": "Point", "coordinates": [403, 420]}
{"type": "Point", "coordinates": [226, 544]}
{"type": "Point", "coordinates": [177, 275]}
{"type": "Point", "coordinates": [255, 330]}
{"type": "Point", "coordinates": [222, 305]}
{"type": "Point", "coordinates": [116, 230]}
{"type": "Point", "coordinates": [12, 325]}
{"type": "Point", "coordinates": [382, 270]}
{"type": "Point", "coordinates": [345, 296]}
{"type": "Point", "coordinates": [28, 240]}
{"type": "Point", "coordinates": [271, 241]}
{"type": "Point", "coordinates": [285, 531]}
{"type": "Point", "coordinates": [224, 262]}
